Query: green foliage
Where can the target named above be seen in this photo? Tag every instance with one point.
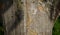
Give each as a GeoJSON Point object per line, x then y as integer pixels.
{"type": "Point", "coordinates": [1, 31]}
{"type": "Point", "coordinates": [1, 27]}
{"type": "Point", "coordinates": [56, 28]}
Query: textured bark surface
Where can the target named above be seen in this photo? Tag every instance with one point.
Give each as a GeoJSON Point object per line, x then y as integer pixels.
{"type": "Point", "coordinates": [9, 18]}
{"type": "Point", "coordinates": [13, 20]}
{"type": "Point", "coordinates": [36, 18]}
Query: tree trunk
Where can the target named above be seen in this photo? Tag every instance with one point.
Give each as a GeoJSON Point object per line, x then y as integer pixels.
{"type": "Point", "coordinates": [36, 19]}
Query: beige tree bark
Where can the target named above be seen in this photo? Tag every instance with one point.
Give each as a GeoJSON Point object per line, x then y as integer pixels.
{"type": "Point", "coordinates": [37, 21]}
{"type": "Point", "coordinates": [36, 18]}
